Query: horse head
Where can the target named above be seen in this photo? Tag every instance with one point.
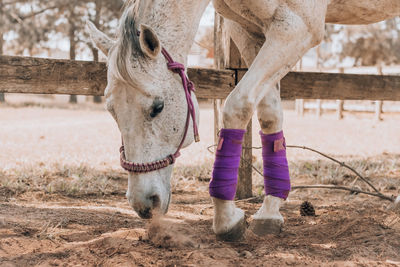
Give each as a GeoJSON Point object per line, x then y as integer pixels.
{"type": "Point", "coordinates": [147, 101]}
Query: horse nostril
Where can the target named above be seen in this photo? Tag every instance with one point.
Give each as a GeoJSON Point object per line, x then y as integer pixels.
{"type": "Point", "coordinates": [145, 213]}
{"type": "Point", "coordinates": [155, 200]}
{"type": "Point", "coordinates": [153, 203]}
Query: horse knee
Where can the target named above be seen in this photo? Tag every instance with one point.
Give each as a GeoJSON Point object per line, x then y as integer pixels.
{"type": "Point", "coordinates": [237, 114]}
{"type": "Point", "coordinates": [270, 114]}
{"type": "Point", "coordinates": [272, 123]}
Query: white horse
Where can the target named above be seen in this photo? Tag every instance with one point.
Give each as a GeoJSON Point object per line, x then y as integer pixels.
{"type": "Point", "coordinates": [147, 101]}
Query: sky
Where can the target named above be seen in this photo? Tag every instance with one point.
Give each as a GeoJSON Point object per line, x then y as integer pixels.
{"type": "Point", "coordinates": [208, 16]}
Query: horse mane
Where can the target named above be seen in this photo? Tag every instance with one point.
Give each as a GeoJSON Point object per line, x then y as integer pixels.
{"type": "Point", "coordinates": [128, 45]}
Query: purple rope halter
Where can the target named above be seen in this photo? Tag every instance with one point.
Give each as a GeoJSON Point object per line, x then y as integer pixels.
{"type": "Point", "coordinates": [188, 87]}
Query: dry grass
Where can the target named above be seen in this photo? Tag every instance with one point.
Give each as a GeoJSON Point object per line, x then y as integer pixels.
{"type": "Point", "coordinates": [379, 170]}
{"type": "Point", "coordinates": [191, 177]}
{"type": "Point", "coordinates": [82, 180]}
{"type": "Point", "coordinates": [67, 180]}
{"type": "Point", "coordinates": [383, 171]}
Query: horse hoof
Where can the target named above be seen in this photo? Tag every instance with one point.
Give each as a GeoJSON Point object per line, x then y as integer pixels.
{"type": "Point", "coordinates": [265, 227]}
{"type": "Point", "coordinates": [235, 234]}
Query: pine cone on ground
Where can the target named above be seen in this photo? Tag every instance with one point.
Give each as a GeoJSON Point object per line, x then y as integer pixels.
{"type": "Point", "coordinates": [307, 209]}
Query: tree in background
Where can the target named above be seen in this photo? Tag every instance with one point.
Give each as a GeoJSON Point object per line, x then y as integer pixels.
{"type": "Point", "coordinates": [72, 17]}
{"type": "Point", "coordinates": [109, 11]}
{"type": "Point", "coordinates": [35, 24]}
{"type": "Point", "coordinates": [12, 19]}
{"type": "Point", "coordinates": [100, 12]}
{"type": "Point", "coordinates": [374, 45]}
{"type": "Point", "coordinates": [28, 31]}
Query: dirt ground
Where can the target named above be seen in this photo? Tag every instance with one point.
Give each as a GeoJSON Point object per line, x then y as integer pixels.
{"type": "Point", "coordinates": [51, 230]}
{"type": "Point", "coordinates": [87, 221]}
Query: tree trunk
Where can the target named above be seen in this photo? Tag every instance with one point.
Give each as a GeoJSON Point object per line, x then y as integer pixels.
{"type": "Point", "coordinates": [95, 51]}
{"type": "Point", "coordinates": [72, 45]}
{"type": "Point", "coordinates": [2, 98]}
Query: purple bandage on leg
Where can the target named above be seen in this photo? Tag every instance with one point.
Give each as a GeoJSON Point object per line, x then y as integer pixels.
{"type": "Point", "coordinates": [226, 165]}
{"type": "Point", "coordinates": [276, 169]}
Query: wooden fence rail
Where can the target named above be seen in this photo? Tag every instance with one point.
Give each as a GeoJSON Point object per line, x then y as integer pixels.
{"type": "Point", "coordinates": [55, 76]}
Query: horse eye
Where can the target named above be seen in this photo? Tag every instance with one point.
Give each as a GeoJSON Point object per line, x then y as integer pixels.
{"type": "Point", "coordinates": [157, 107]}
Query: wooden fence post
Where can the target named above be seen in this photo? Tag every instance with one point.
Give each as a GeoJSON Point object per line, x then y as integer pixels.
{"type": "Point", "coordinates": [245, 180]}
{"type": "Point", "coordinates": [218, 64]}
{"type": "Point", "coordinates": [300, 107]}
{"type": "Point", "coordinates": [378, 110]}
{"type": "Point", "coordinates": [339, 109]}
{"type": "Point", "coordinates": [340, 102]}
{"type": "Point", "coordinates": [379, 103]}
{"type": "Point", "coordinates": [227, 56]}
{"type": "Point", "coordinates": [319, 108]}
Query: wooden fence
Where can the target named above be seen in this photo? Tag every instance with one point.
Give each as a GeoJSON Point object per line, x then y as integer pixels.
{"type": "Point", "coordinates": [339, 106]}
{"type": "Point", "coordinates": [54, 76]}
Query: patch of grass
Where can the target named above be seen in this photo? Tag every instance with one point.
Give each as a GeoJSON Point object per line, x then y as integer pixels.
{"type": "Point", "coordinates": [188, 177]}
{"type": "Point", "coordinates": [383, 171]}
{"type": "Point", "coordinates": [68, 180]}
{"type": "Point", "coordinates": [82, 180]}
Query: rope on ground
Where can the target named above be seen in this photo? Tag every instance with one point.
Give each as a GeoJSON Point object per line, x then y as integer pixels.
{"type": "Point", "coordinates": [336, 187]}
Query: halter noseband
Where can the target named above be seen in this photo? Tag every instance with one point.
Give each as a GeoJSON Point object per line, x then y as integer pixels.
{"type": "Point", "coordinates": [188, 87]}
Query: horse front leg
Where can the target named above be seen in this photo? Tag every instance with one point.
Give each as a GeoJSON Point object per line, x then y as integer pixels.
{"type": "Point", "coordinates": [288, 36]}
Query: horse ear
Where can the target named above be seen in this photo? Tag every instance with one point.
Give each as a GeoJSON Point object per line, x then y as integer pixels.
{"type": "Point", "coordinates": [99, 39]}
{"type": "Point", "coordinates": [149, 42]}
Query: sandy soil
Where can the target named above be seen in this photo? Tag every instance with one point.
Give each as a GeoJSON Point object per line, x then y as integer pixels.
{"type": "Point", "coordinates": [348, 230]}
{"type": "Point", "coordinates": [43, 229]}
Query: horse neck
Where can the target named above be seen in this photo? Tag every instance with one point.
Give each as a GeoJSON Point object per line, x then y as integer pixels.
{"type": "Point", "coordinates": [175, 22]}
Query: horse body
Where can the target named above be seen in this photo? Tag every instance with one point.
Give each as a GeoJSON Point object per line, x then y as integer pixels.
{"type": "Point", "coordinates": [272, 35]}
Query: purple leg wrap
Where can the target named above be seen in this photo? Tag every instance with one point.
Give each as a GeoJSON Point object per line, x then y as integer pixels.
{"type": "Point", "coordinates": [226, 165]}
{"type": "Point", "coordinates": [276, 169]}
